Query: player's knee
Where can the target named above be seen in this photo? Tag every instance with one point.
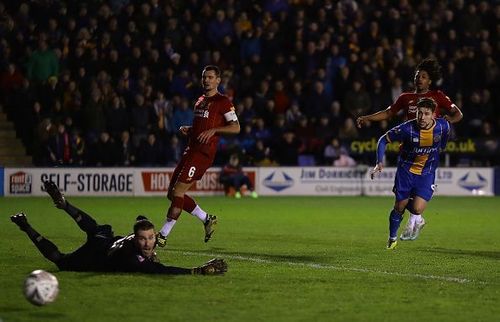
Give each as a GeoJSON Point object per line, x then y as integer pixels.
{"type": "Point", "coordinates": [418, 210]}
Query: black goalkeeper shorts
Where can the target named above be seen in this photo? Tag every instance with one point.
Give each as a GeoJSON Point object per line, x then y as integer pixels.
{"type": "Point", "coordinates": [91, 256]}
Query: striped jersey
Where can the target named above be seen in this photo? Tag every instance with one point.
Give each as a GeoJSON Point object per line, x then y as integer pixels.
{"type": "Point", "coordinates": [419, 152]}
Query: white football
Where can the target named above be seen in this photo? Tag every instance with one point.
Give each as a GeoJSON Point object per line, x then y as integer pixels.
{"type": "Point", "coordinates": [41, 287]}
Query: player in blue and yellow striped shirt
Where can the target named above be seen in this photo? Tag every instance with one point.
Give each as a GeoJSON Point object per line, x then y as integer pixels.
{"type": "Point", "coordinates": [421, 141]}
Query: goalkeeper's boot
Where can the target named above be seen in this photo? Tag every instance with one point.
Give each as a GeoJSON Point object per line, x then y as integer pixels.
{"type": "Point", "coordinates": [392, 243]}
{"type": "Point", "coordinates": [214, 266]}
{"type": "Point", "coordinates": [161, 241]}
{"type": "Point", "coordinates": [418, 229]}
{"type": "Point", "coordinates": [210, 224]}
{"type": "Point", "coordinates": [20, 220]}
{"type": "Point", "coordinates": [408, 232]}
{"type": "Point", "coordinates": [55, 194]}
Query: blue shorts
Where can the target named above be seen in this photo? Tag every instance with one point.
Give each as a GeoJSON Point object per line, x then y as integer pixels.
{"type": "Point", "coordinates": [408, 185]}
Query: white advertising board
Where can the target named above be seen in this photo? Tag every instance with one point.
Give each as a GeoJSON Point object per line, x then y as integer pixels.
{"type": "Point", "coordinates": [311, 181]}
{"type": "Point", "coordinates": [155, 182]}
{"type": "Point", "coordinates": [329, 181]}
{"type": "Point", "coordinates": [283, 181]}
{"type": "Point", "coordinates": [108, 181]}
{"type": "Point", "coordinates": [449, 182]}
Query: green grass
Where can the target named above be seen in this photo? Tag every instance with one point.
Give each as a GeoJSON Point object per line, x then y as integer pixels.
{"type": "Point", "coordinates": [290, 259]}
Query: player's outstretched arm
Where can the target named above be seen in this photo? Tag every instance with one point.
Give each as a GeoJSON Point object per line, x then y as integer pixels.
{"type": "Point", "coordinates": [377, 169]}
{"type": "Point", "coordinates": [455, 115]}
{"type": "Point", "coordinates": [375, 117]}
{"type": "Point", "coordinates": [382, 142]}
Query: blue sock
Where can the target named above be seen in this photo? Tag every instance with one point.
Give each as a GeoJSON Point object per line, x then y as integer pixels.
{"type": "Point", "coordinates": [395, 219]}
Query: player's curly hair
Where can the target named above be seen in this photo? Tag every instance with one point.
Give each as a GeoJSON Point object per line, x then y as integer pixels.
{"type": "Point", "coordinates": [432, 67]}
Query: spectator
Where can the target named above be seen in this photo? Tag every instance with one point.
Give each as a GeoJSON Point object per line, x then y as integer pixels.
{"type": "Point", "coordinates": [161, 114]}
{"type": "Point", "coordinates": [141, 120]}
{"type": "Point", "coordinates": [43, 63]}
{"type": "Point", "coordinates": [117, 117]}
{"type": "Point", "coordinates": [247, 139]}
{"type": "Point", "coordinates": [104, 151]}
{"type": "Point", "coordinates": [183, 114]}
{"type": "Point", "coordinates": [126, 150]}
{"type": "Point", "coordinates": [287, 150]}
{"type": "Point", "coordinates": [348, 130]}
{"type": "Point", "coordinates": [261, 155]}
{"type": "Point", "coordinates": [357, 101]}
{"type": "Point", "coordinates": [60, 147]}
{"type": "Point", "coordinates": [236, 182]}
{"type": "Point", "coordinates": [246, 110]}
{"type": "Point", "coordinates": [95, 121]}
{"type": "Point", "coordinates": [41, 155]}
{"type": "Point", "coordinates": [344, 160]}
{"type": "Point", "coordinates": [281, 98]}
{"type": "Point", "coordinates": [150, 152]}
{"type": "Point", "coordinates": [78, 149]}
{"type": "Point", "coordinates": [293, 114]}
{"type": "Point", "coordinates": [261, 132]}
{"type": "Point", "coordinates": [318, 101]}
{"type": "Point", "coordinates": [10, 80]}
{"type": "Point", "coordinates": [173, 151]}
{"type": "Point", "coordinates": [332, 151]}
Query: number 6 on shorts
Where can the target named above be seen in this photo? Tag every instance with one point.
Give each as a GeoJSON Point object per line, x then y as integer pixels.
{"type": "Point", "coordinates": [191, 172]}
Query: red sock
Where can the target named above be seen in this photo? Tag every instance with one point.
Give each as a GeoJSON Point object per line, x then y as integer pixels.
{"type": "Point", "coordinates": [189, 204]}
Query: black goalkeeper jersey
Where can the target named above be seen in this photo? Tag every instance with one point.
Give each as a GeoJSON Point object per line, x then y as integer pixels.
{"type": "Point", "coordinates": [123, 256]}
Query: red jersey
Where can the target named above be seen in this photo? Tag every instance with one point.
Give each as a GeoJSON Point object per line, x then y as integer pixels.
{"type": "Point", "coordinates": [408, 103]}
{"type": "Point", "coordinates": [210, 112]}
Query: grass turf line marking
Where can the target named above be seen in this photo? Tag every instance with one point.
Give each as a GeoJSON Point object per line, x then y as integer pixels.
{"type": "Point", "coordinates": [452, 279]}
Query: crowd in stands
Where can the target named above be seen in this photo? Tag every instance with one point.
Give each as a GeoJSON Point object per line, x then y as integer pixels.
{"type": "Point", "coordinates": [108, 83]}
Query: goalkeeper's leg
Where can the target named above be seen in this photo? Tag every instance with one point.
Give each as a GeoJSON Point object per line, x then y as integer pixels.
{"type": "Point", "coordinates": [45, 246]}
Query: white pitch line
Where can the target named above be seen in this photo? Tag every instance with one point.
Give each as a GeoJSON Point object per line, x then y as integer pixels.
{"type": "Point", "coordinates": [452, 279]}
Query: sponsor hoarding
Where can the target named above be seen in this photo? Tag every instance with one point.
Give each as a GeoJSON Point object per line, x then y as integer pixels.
{"type": "Point", "coordinates": [107, 181]}
{"type": "Point", "coordinates": [1, 181]}
{"type": "Point", "coordinates": [284, 181]}
{"type": "Point", "coordinates": [315, 181]}
{"type": "Point", "coordinates": [329, 181]}
{"type": "Point", "coordinates": [155, 181]}
{"type": "Point", "coordinates": [71, 181]}
{"type": "Point", "coordinates": [449, 182]}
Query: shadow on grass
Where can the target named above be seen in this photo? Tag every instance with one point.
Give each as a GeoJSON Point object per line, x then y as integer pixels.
{"type": "Point", "coordinates": [10, 309]}
{"type": "Point", "coordinates": [263, 256]}
{"type": "Point", "coordinates": [37, 315]}
{"type": "Point", "coordinates": [48, 316]}
{"type": "Point", "coordinates": [476, 253]}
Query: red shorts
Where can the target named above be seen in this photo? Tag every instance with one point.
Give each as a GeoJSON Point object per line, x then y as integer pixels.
{"type": "Point", "coordinates": [192, 167]}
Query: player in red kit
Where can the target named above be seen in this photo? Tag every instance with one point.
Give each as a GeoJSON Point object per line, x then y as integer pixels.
{"type": "Point", "coordinates": [427, 74]}
{"type": "Point", "coordinates": [214, 114]}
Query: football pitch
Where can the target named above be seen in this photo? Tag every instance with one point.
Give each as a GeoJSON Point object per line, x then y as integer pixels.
{"type": "Point", "coordinates": [290, 259]}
